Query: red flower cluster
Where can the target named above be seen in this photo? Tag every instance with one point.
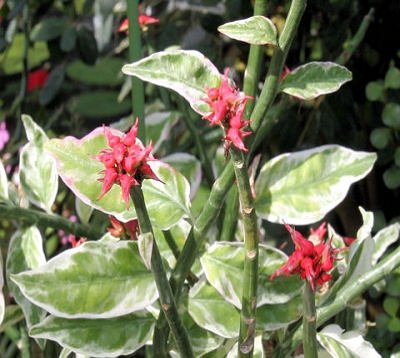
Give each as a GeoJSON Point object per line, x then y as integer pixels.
{"type": "Point", "coordinates": [126, 162]}
{"type": "Point", "coordinates": [312, 259]}
{"type": "Point", "coordinates": [37, 79]}
{"type": "Point", "coordinates": [227, 107]}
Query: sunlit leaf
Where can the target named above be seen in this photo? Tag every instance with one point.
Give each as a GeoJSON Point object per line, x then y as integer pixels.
{"type": "Point", "coordinates": [301, 188]}
{"type": "Point", "coordinates": [315, 79]}
{"type": "Point", "coordinates": [98, 337]}
{"type": "Point", "coordinates": [187, 72]}
{"type": "Point", "coordinates": [95, 280]}
{"type": "Point", "coordinates": [258, 30]}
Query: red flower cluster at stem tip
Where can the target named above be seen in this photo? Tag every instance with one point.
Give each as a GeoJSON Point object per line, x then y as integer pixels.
{"type": "Point", "coordinates": [227, 107]}
{"type": "Point", "coordinates": [312, 258]}
{"type": "Point", "coordinates": [126, 162]}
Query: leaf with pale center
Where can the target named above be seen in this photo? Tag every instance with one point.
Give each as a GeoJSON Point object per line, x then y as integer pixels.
{"type": "Point", "coordinates": [256, 30]}
{"type": "Point", "coordinates": [314, 79]}
{"type": "Point", "coordinates": [300, 188]}
{"type": "Point", "coordinates": [95, 280]}
{"type": "Point", "coordinates": [188, 73]}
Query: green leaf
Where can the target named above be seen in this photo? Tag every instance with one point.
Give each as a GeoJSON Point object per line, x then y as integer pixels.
{"type": "Point", "coordinates": [34, 132]}
{"type": "Point", "coordinates": [98, 337]}
{"type": "Point", "coordinates": [166, 203]}
{"type": "Point", "coordinates": [257, 30]}
{"type": "Point", "coordinates": [3, 183]}
{"type": "Point", "coordinates": [158, 127]}
{"type": "Point", "coordinates": [392, 78]}
{"type": "Point", "coordinates": [257, 353]}
{"type": "Point", "coordinates": [188, 73]}
{"type": "Point", "coordinates": [84, 211]}
{"type": "Point", "coordinates": [223, 266]}
{"type": "Point", "coordinates": [391, 306]}
{"type": "Point", "coordinates": [212, 312]}
{"type": "Point", "coordinates": [68, 39]}
{"type": "Point", "coordinates": [391, 177]}
{"type": "Point", "coordinates": [87, 46]}
{"type": "Point", "coordinates": [25, 252]}
{"type": "Point", "coordinates": [315, 79]}
{"type": "Point", "coordinates": [48, 29]}
{"type": "Point", "coordinates": [375, 91]}
{"type": "Point", "coordinates": [345, 345]}
{"type": "Point", "coordinates": [38, 175]}
{"type": "Point", "coordinates": [189, 166]}
{"type": "Point", "coordinates": [301, 188]}
{"type": "Point", "coordinates": [13, 314]}
{"type": "Point", "coordinates": [273, 317]}
{"type": "Point", "coordinates": [95, 280]}
{"type": "Point", "coordinates": [203, 341]}
{"type": "Point", "coordinates": [383, 239]}
{"type": "Point", "coordinates": [380, 137]}
{"type": "Point", "coordinates": [52, 86]}
{"type": "Point", "coordinates": [391, 115]}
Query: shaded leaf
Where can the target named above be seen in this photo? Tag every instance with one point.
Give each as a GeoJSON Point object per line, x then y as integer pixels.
{"type": "Point", "coordinates": [87, 46]}
{"type": "Point", "coordinates": [98, 337]}
{"type": "Point", "coordinates": [188, 73]}
{"type": "Point", "coordinates": [301, 188]}
{"type": "Point", "coordinates": [48, 29]}
{"type": "Point", "coordinates": [52, 86]}
{"type": "Point", "coordinates": [257, 30]}
{"type": "Point", "coordinates": [315, 79]}
{"type": "Point", "coordinates": [95, 280]}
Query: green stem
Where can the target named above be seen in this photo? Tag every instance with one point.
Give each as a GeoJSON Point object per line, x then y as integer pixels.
{"type": "Point", "coordinates": [353, 44]}
{"type": "Point", "coordinates": [254, 62]}
{"type": "Point", "coordinates": [28, 217]}
{"type": "Point", "coordinates": [166, 298]}
{"type": "Point", "coordinates": [230, 215]}
{"type": "Point", "coordinates": [271, 84]}
{"type": "Point", "coordinates": [346, 294]}
{"type": "Point", "coordinates": [135, 54]}
{"type": "Point", "coordinates": [250, 273]}
{"type": "Point", "coordinates": [309, 322]}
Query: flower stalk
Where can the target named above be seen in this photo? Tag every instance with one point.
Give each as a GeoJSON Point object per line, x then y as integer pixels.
{"type": "Point", "coordinates": [166, 297]}
{"type": "Point", "coordinates": [309, 322]}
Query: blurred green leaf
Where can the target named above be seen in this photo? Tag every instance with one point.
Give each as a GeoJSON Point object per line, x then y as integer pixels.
{"type": "Point", "coordinates": [68, 39]}
{"type": "Point", "coordinates": [106, 72]}
{"type": "Point", "coordinates": [52, 86]}
{"type": "Point", "coordinates": [392, 78]}
{"type": "Point", "coordinates": [95, 280]}
{"type": "Point", "coordinates": [391, 305]}
{"type": "Point", "coordinates": [87, 46]}
{"type": "Point", "coordinates": [257, 30]}
{"type": "Point", "coordinates": [3, 183]}
{"type": "Point", "coordinates": [48, 29]}
{"type": "Point", "coordinates": [380, 137]}
{"type": "Point", "coordinates": [375, 91]}
{"type": "Point", "coordinates": [391, 177]}
{"type": "Point", "coordinates": [110, 337]}
{"type": "Point", "coordinates": [302, 187]}
{"type": "Point", "coordinates": [391, 115]}
{"type": "Point", "coordinates": [315, 79]}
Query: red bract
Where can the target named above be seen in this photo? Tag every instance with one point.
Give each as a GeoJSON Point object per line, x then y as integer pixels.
{"type": "Point", "coordinates": [143, 21]}
{"type": "Point", "coordinates": [126, 162]}
{"type": "Point", "coordinates": [119, 229]}
{"type": "Point", "coordinates": [312, 259]}
{"type": "Point", "coordinates": [227, 106]}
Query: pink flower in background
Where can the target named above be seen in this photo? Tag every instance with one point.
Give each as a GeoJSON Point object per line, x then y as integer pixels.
{"type": "Point", "coordinates": [4, 135]}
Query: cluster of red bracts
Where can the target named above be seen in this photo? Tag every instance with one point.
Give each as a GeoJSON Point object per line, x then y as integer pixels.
{"type": "Point", "coordinates": [227, 107]}
{"type": "Point", "coordinates": [312, 259]}
{"type": "Point", "coordinates": [126, 162]}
